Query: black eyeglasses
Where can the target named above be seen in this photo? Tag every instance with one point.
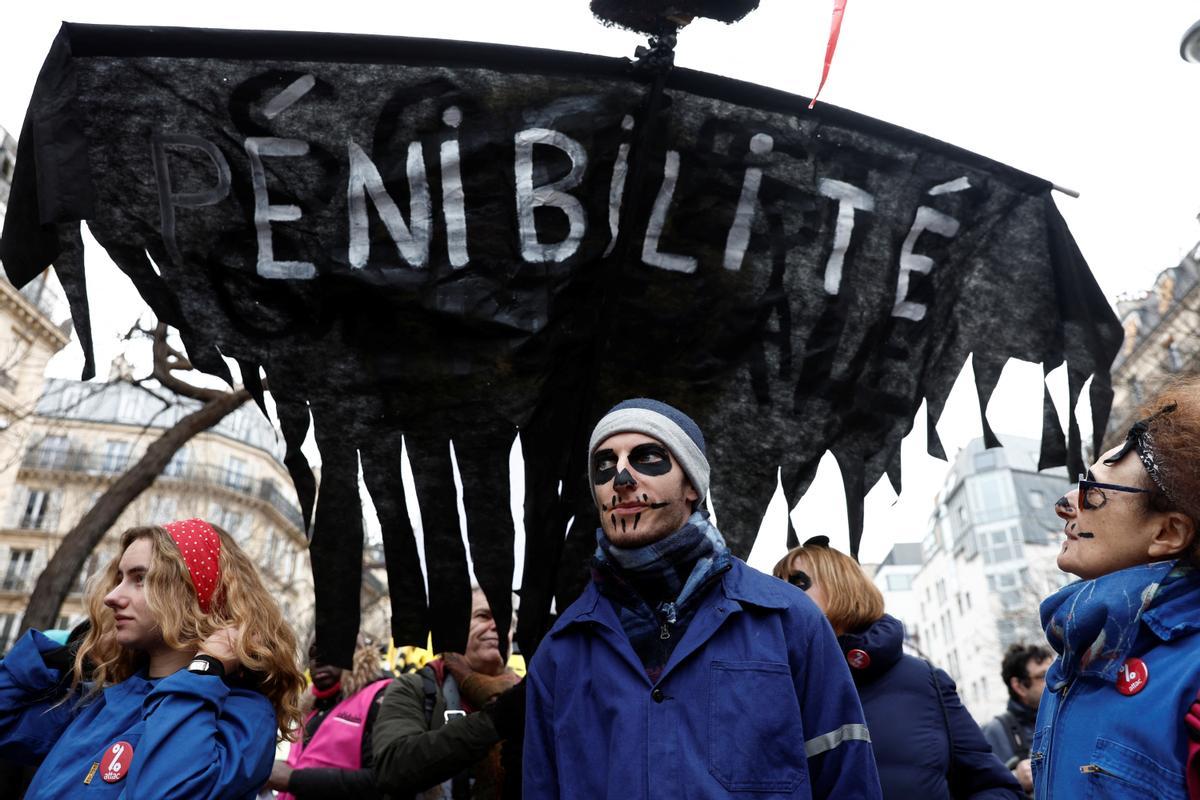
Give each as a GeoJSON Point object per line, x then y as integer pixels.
{"type": "Point", "coordinates": [800, 580]}
{"type": "Point", "coordinates": [1091, 493]}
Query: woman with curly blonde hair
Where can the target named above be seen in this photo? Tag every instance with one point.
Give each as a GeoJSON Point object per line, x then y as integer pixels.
{"type": "Point", "coordinates": [192, 674]}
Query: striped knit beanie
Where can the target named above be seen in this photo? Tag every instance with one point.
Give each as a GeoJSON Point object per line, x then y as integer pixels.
{"type": "Point", "coordinates": [665, 423]}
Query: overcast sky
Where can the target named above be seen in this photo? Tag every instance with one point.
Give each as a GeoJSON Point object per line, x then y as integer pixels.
{"type": "Point", "coordinates": [1092, 96]}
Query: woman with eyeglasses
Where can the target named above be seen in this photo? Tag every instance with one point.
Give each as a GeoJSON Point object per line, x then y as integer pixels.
{"type": "Point", "coordinates": [1120, 698]}
{"type": "Point", "coordinates": [926, 745]}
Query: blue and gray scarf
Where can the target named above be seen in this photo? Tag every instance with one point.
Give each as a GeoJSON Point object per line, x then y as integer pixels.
{"type": "Point", "coordinates": [1093, 624]}
{"type": "Point", "coordinates": [657, 587]}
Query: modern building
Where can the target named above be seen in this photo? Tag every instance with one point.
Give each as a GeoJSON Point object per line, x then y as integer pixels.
{"type": "Point", "coordinates": [84, 435]}
{"type": "Point", "coordinates": [1162, 340]}
{"type": "Point", "coordinates": [987, 560]}
{"type": "Point", "coordinates": [894, 576]}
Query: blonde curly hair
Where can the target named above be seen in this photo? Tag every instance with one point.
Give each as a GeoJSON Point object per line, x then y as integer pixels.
{"type": "Point", "coordinates": [267, 646]}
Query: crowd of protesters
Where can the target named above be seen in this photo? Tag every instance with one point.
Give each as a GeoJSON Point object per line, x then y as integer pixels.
{"type": "Point", "coordinates": [680, 671]}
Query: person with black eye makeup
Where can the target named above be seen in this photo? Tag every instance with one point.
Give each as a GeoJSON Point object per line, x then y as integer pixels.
{"type": "Point", "coordinates": [1118, 716]}
{"type": "Point", "coordinates": [680, 671]}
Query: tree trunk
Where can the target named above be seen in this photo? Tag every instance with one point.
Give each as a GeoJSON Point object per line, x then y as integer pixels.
{"type": "Point", "coordinates": [55, 582]}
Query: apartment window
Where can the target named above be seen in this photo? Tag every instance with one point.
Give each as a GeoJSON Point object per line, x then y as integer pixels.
{"type": "Point", "coordinates": [37, 510]}
{"type": "Point", "coordinates": [236, 474]}
{"type": "Point", "coordinates": [177, 466]}
{"type": "Point", "coordinates": [8, 627]}
{"type": "Point", "coordinates": [991, 496]}
{"type": "Point", "coordinates": [985, 460]}
{"type": "Point", "coordinates": [941, 591]}
{"type": "Point", "coordinates": [1002, 545]}
{"type": "Point", "coordinates": [116, 456]}
{"type": "Point", "coordinates": [52, 452]}
{"type": "Point", "coordinates": [899, 583]}
{"type": "Point", "coordinates": [16, 577]}
{"type": "Point", "coordinates": [88, 570]}
{"type": "Point", "coordinates": [162, 509]}
{"type": "Point", "coordinates": [234, 522]}
{"type": "Point", "coordinates": [287, 565]}
{"type": "Point", "coordinates": [1174, 357]}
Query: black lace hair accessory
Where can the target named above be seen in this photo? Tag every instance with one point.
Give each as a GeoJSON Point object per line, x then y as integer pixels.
{"type": "Point", "coordinates": [1140, 440]}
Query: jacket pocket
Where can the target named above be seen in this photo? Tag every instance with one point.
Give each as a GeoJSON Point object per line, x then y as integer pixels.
{"type": "Point", "coordinates": [755, 732]}
{"type": "Point", "coordinates": [1117, 771]}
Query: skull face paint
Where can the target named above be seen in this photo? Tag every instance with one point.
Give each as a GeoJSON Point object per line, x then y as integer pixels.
{"type": "Point", "coordinates": [646, 493]}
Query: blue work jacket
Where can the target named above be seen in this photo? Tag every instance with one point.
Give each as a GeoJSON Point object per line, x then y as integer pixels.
{"type": "Point", "coordinates": [1090, 740]}
{"type": "Point", "coordinates": [756, 701]}
{"type": "Point", "coordinates": [192, 736]}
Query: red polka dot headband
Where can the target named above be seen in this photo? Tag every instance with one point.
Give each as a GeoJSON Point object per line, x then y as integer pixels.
{"type": "Point", "coordinates": [200, 547]}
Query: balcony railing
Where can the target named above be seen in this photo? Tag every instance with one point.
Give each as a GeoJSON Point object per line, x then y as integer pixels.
{"type": "Point", "coordinates": [87, 463]}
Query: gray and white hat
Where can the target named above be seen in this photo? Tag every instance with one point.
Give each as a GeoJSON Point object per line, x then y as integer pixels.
{"type": "Point", "coordinates": [667, 424]}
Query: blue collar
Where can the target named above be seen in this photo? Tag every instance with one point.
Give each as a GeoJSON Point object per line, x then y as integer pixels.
{"type": "Point", "coordinates": [736, 584]}
{"type": "Point", "coordinates": [1093, 625]}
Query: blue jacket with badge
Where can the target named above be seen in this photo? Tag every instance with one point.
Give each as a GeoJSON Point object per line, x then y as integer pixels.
{"type": "Point", "coordinates": [186, 735]}
{"type": "Point", "coordinates": [926, 744]}
{"type": "Point", "coordinates": [1111, 722]}
{"type": "Point", "coordinates": [756, 701]}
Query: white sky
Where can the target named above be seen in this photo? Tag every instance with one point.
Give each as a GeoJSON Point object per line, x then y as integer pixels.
{"type": "Point", "coordinates": [1092, 96]}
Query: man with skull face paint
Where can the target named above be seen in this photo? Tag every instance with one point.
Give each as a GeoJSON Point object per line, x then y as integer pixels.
{"type": "Point", "coordinates": [680, 671]}
{"type": "Point", "coordinates": [1114, 719]}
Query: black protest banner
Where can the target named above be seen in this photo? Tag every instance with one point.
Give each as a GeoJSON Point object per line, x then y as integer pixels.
{"type": "Point", "coordinates": [446, 244]}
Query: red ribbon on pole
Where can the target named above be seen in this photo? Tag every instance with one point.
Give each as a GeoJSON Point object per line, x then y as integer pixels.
{"type": "Point", "coordinates": [835, 29]}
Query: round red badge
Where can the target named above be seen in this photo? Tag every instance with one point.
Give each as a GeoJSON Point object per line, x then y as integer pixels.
{"type": "Point", "coordinates": [859, 659]}
{"type": "Point", "coordinates": [115, 763]}
{"type": "Point", "coordinates": [1132, 677]}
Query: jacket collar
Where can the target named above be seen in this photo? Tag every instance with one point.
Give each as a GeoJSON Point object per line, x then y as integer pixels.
{"type": "Point", "coordinates": [740, 587]}
{"type": "Point", "coordinates": [738, 584]}
{"type": "Point", "coordinates": [1173, 613]}
{"type": "Point", "coordinates": [883, 643]}
{"type": "Point", "coordinates": [735, 585]}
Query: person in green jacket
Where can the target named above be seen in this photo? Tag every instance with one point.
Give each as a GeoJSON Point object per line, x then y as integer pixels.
{"type": "Point", "coordinates": [437, 731]}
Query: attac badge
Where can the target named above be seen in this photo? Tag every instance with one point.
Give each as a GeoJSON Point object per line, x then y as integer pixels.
{"type": "Point", "coordinates": [1132, 677]}
{"type": "Point", "coordinates": [115, 763]}
{"type": "Point", "coordinates": [859, 659]}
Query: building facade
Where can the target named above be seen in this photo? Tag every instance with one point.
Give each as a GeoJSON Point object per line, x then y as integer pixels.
{"type": "Point", "coordinates": [84, 435]}
{"type": "Point", "coordinates": [986, 562]}
{"type": "Point", "coordinates": [1162, 340]}
{"type": "Point", "coordinates": [33, 327]}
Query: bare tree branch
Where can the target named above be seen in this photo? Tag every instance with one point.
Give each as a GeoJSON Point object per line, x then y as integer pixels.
{"type": "Point", "coordinates": [167, 360]}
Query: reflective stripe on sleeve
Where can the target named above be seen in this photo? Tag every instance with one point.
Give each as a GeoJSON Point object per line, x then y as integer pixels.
{"type": "Point", "coordinates": [828, 741]}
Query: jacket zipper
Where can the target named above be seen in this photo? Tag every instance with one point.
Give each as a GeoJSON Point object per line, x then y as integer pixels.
{"type": "Point", "coordinates": [1054, 727]}
{"type": "Point", "coordinates": [1089, 769]}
